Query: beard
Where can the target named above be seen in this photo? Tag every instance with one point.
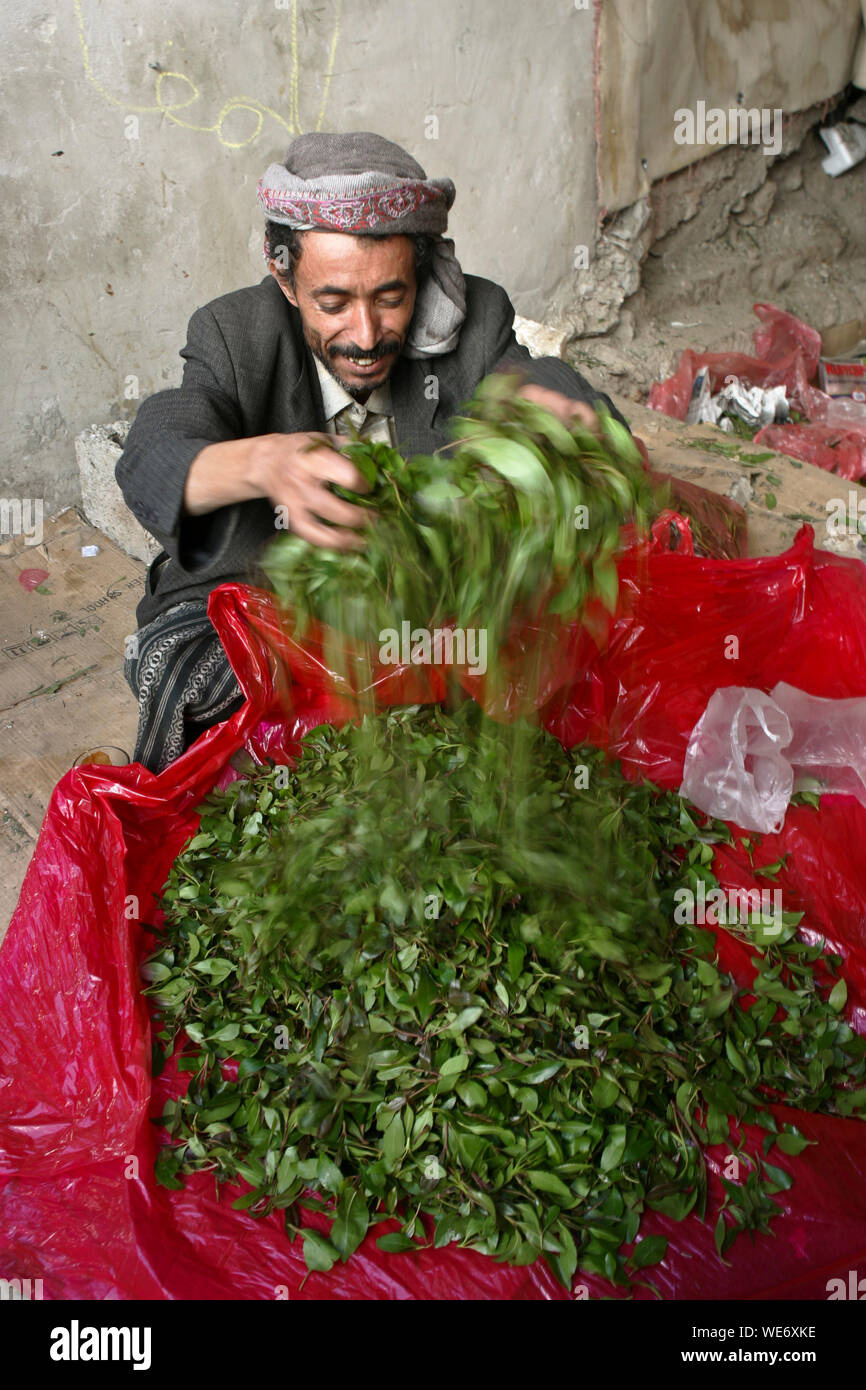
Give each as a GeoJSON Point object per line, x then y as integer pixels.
{"type": "Point", "coordinates": [389, 348]}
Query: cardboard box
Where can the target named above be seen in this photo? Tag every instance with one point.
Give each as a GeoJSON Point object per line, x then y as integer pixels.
{"type": "Point", "coordinates": [844, 340]}
{"type": "Point", "coordinates": [843, 378]}
{"type": "Point", "coordinates": [62, 690]}
{"type": "Point", "coordinates": [842, 366]}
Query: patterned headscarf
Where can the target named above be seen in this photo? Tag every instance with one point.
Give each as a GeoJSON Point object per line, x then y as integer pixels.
{"type": "Point", "coordinates": [361, 183]}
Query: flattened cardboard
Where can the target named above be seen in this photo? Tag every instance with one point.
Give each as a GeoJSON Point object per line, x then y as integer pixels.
{"type": "Point", "coordinates": [62, 691]}
{"type": "Point", "coordinates": [841, 339]}
{"type": "Point", "coordinates": [76, 619]}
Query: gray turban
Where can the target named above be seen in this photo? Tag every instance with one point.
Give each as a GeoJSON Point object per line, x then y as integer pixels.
{"type": "Point", "coordinates": [362, 184]}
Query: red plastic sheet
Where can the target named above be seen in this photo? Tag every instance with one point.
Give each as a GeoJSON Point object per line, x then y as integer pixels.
{"type": "Point", "coordinates": [78, 1204]}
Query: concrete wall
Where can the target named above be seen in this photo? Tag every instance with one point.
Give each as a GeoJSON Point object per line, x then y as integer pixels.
{"type": "Point", "coordinates": [135, 136]}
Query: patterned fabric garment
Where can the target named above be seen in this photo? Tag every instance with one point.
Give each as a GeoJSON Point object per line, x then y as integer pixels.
{"type": "Point", "coordinates": [183, 682]}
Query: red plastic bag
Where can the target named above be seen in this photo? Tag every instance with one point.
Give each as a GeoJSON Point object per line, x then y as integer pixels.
{"type": "Point", "coordinates": [780, 337]}
{"type": "Point", "coordinates": [718, 525]}
{"type": "Point", "coordinates": [79, 1206]}
{"type": "Point", "coordinates": [836, 449]}
{"type": "Point", "coordinates": [787, 352]}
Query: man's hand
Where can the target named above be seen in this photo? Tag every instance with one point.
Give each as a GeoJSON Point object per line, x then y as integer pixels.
{"type": "Point", "coordinates": [566, 409]}
{"type": "Point", "coordinates": [562, 406]}
{"type": "Point", "coordinates": [294, 471]}
{"type": "Point", "coordinates": [291, 470]}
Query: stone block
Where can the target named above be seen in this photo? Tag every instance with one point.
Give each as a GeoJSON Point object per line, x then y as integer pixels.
{"type": "Point", "coordinates": [542, 339]}
{"type": "Point", "coordinates": [97, 450]}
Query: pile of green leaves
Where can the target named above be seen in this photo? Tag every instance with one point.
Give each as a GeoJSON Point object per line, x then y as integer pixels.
{"type": "Point", "coordinates": [457, 995]}
{"type": "Point", "coordinates": [524, 512]}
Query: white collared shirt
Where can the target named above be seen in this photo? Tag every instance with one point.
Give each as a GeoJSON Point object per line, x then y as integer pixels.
{"type": "Point", "coordinates": [374, 420]}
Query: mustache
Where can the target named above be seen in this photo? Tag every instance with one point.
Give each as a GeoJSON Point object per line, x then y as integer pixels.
{"type": "Point", "coordinates": [352, 353]}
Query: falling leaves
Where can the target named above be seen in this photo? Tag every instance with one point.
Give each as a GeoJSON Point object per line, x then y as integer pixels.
{"type": "Point", "coordinates": [470, 536]}
{"type": "Point", "coordinates": [526, 1071]}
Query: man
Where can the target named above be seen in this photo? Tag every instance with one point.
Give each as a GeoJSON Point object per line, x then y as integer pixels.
{"type": "Point", "coordinates": [365, 317]}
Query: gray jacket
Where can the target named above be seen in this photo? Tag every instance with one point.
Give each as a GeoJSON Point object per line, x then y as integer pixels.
{"type": "Point", "coordinates": [248, 371]}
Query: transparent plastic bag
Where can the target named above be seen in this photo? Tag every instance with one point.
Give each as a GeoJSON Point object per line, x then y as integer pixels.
{"type": "Point", "coordinates": [749, 752]}
{"type": "Point", "coordinates": [828, 743]}
{"type": "Point", "coordinates": [734, 766]}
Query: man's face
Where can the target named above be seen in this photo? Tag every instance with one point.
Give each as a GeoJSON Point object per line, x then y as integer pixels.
{"type": "Point", "coordinates": [356, 297]}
